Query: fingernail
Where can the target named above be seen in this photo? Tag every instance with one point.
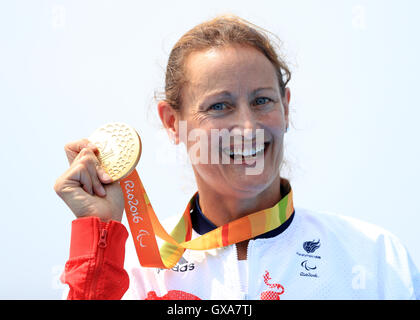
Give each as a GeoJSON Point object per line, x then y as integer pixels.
{"type": "Point", "coordinates": [92, 146]}
{"type": "Point", "coordinates": [106, 176]}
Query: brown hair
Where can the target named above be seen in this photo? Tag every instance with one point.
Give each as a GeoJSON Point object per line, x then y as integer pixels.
{"type": "Point", "coordinates": [218, 32]}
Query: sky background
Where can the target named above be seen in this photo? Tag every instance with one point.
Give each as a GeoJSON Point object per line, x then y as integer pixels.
{"type": "Point", "coordinates": [67, 67]}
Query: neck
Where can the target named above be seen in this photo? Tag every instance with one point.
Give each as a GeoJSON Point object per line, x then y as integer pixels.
{"type": "Point", "coordinates": [221, 208]}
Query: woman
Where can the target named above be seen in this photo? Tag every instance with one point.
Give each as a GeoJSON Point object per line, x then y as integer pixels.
{"type": "Point", "coordinates": [225, 74]}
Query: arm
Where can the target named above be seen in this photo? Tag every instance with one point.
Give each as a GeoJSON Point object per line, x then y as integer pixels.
{"type": "Point", "coordinates": [95, 269]}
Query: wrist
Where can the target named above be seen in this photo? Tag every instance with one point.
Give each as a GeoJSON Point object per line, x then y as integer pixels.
{"type": "Point", "coordinates": [87, 236]}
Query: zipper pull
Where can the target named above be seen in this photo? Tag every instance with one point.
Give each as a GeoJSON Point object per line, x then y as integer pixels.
{"type": "Point", "coordinates": [102, 239]}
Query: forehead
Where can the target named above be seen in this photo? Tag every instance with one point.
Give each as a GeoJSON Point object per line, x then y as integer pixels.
{"type": "Point", "coordinates": [231, 68]}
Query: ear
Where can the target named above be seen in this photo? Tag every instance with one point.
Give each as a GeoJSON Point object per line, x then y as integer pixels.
{"type": "Point", "coordinates": [169, 118]}
{"type": "Point", "coordinates": [286, 101]}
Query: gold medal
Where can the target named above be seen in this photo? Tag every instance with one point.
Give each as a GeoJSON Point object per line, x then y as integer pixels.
{"type": "Point", "coordinates": [119, 148]}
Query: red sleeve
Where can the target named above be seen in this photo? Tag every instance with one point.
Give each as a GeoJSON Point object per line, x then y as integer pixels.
{"type": "Point", "coordinates": [95, 269]}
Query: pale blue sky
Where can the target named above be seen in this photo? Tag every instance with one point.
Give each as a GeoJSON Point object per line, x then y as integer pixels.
{"type": "Point", "coordinates": [67, 67]}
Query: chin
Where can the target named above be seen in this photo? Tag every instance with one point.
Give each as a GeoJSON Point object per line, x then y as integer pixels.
{"type": "Point", "coordinates": [244, 183]}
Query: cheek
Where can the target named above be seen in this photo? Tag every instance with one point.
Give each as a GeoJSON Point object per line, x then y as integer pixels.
{"type": "Point", "coordinates": [198, 142]}
{"type": "Point", "coordinates": [275, 125]}
{"type": "Point", "coordinates": [203, 136]}
{"type": "Point", "coordinates": [275, 118]}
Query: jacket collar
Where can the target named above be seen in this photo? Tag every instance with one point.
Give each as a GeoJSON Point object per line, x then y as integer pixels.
{"type": "Point", "coordinates": [202, 225]}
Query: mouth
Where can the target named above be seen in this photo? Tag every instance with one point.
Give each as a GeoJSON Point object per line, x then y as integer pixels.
{"type": "Point", "coordinates": [246, 154]}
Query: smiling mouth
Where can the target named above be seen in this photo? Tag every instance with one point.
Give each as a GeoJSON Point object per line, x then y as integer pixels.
{"type": "Point", "coordinates": [244, 154]}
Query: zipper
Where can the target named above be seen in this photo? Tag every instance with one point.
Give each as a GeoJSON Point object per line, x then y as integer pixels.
{"type": "Point", "coordinates": [246, 297]}
{"type": "Point", "coordinates": [102, 239]}
{"type": "Point", "coordinates": [102, 244]}
{"type": "Point", "coordinates": [240, 280]}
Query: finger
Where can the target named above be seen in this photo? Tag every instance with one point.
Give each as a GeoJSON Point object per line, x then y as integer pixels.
{"type": "Point", "coordinates": [88, 152]}
{"type": "Point", "coordinates": [86, 182]}
{"type": "Point", "coordinates": [104, 177]}
{"type": "Point", "coordinates": [72, 149]}
{"type": "Point", "coordinates": [91, 163]}
{"type": "Point", "coordinates": [81, 175]}
{"type": "Point", "coordinates": [77, 176]}
{"type": "Point", "coordinates": [97, 185]}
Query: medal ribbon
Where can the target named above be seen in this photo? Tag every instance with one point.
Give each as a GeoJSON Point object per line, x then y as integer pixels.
{"type": "Point", "coordinates": [145, 226]}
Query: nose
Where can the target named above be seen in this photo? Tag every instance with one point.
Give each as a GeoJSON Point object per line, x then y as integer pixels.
{"type": "Point", "coordinates": [245, 120]}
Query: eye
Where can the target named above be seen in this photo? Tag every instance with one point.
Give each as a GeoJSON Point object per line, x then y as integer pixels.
{"type": "Point", "coordinates": [218, 106]}
{"type": "Point", "coordinates": [262, 100]}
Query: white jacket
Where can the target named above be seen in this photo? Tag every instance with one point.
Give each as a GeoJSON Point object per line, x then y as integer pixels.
{"type": "Point", "coordinates": [319, 256]}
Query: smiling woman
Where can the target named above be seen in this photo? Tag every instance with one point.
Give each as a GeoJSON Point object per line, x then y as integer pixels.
{"type": "Point", "coordinates": [226, 84]}
{"type": "Point", "coordinates": [235, 78]}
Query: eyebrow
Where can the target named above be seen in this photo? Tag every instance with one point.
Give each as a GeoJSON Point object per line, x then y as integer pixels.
{"type": "Point", "coordinates": [225, 93]}
{"type": "Point", "coordinates": [256, 91]}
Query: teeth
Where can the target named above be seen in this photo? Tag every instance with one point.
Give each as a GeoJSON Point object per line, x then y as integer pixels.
{"type": "Point", "coordinates": [244, 153]}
